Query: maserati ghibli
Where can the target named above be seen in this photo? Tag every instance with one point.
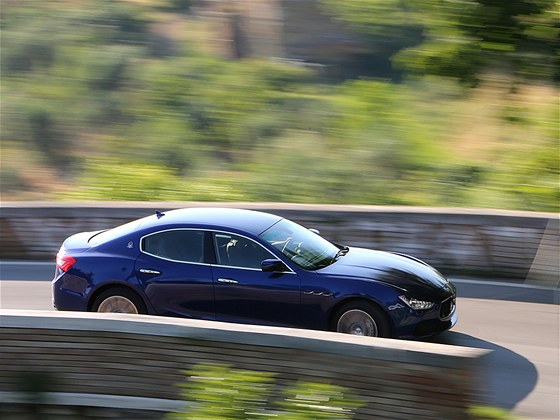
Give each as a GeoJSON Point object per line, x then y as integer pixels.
{"type": "Point", "coordinates": [250, 267]}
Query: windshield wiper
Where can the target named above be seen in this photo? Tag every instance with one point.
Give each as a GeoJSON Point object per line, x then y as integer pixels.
{"type": "Point", "coordinates": [341, 252]}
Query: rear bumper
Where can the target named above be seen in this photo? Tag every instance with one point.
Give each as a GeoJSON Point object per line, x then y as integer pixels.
{"type": "Point", "coordinates": [68, 293]}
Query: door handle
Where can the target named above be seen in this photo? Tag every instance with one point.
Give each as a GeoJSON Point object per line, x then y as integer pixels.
{"type": "Point", "coordinates": [228, 281]}
{"type": "Point", "coordinates": [148, 271]}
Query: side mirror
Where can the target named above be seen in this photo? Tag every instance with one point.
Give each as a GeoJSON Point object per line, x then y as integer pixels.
{"type": "Point", "coordinates": [315, 231]}
{"type": "Point", "coordinates": [274, 266]}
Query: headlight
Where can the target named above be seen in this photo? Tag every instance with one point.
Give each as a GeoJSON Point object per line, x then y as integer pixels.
{"type": "Point", "coordinates": [416, 304]}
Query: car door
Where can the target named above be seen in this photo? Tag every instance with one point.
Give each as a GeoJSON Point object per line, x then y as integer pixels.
{"type": "Point", "coordinates": [246, 294]}
{"type": "Point", "coordinates": [173, 269]}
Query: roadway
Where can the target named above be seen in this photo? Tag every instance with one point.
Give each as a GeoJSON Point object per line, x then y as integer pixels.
{"type": "Point", "coordinates": [519, 323]}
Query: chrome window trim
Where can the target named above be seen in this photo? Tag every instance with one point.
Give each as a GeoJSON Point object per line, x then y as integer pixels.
{"type": "Point", "coordinates": [213, 244]}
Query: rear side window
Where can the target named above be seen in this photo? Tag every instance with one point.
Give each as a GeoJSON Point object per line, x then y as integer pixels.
{"type": "Point", "coordinates": [176, 245]}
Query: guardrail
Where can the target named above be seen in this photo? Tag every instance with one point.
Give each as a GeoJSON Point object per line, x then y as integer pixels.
{"type": "Point", "coordinates": [488, 243]}
{"type": "Point", "coordinates": [127, 366]}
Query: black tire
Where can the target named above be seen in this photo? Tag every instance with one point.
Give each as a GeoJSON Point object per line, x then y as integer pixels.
{"type": "Point", "coordinates": [119, 300]}
{"type": "Point", "coordinates": [361, 318]}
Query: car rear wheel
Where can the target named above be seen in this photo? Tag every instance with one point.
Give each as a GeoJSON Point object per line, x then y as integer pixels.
{"type": "Point", "coordinates": [119, 300]}
{"type": "Point", "coordinates": [361, 318]}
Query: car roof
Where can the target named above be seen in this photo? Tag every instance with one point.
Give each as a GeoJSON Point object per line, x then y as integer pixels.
{"type": "Point", "coordinates": [251, 221]}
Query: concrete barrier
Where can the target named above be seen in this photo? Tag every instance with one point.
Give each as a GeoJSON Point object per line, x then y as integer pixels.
{"type": "Point", "coordinates": [488, 243]}
{"type": "Point", "coordinates": [127, 366]}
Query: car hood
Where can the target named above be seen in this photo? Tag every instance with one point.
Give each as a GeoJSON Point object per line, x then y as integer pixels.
{"type": "Point", "coordinates": [417, 278]}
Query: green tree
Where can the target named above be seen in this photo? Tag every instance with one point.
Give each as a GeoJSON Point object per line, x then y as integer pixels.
{"type": "Point", "coordinates": [464, 38]}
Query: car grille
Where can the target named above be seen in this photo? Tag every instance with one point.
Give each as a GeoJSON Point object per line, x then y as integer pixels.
{"type": "Point", "coordinates": [447, 308]}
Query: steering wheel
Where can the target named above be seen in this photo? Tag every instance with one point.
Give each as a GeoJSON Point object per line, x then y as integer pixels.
{"type": "Point", "coordinates": [286, 242]}
{"type": "Point", "coordinates": [292, 253]}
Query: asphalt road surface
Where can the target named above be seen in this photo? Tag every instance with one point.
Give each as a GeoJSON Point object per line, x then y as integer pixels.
{"type": "Point", "coordinates": [519, 323]}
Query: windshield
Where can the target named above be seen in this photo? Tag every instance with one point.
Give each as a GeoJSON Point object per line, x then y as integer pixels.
{"type": "Point", "coordinates": [303, 247]}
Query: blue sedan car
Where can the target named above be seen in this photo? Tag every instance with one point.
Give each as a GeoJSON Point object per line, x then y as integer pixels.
{"type": "Point", "coordinates": [250, 267]}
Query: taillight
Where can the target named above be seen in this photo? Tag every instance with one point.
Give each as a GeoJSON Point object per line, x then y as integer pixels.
{"type": "Point", "coordinates": [65, 262]}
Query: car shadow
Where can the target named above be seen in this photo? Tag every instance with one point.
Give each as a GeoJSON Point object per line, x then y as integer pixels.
{"type": "Point", "coordinates": [506, 378]}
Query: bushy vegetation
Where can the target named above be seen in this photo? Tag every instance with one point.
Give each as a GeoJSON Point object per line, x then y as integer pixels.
{"type": "Point", "coordinates": [220, 392]}
{"type": "Point", "coordinates": [123, 100]}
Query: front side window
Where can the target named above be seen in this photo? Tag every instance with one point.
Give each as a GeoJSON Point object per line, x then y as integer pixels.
{"type": "Point", "coordinates": [238, 251]}
{"type": "Point", "coordinates": [177, 245]}
{"type": "Point", "coordinates": [305, 248]}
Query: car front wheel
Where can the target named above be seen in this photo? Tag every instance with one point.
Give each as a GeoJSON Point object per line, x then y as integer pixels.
{"type": "Point", "coordinates": [119, 300]}
{"type": "Point", "coordinates": [361, 318]}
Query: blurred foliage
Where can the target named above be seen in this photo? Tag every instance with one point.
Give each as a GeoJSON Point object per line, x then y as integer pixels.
{"type": "Point", "coordinates": [123, 100]}
{"type": "Point", "coordinates": [462, 38]}
{"type": "Point", "coordinates": [220, 392]}
{"type": "Point", "coordinates": [490, 413]}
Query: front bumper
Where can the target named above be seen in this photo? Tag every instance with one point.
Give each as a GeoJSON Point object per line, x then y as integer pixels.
{"type": "Point", "coordinates": [411, 323]}
{"type": "Point", "coordinates": [433, 327]}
